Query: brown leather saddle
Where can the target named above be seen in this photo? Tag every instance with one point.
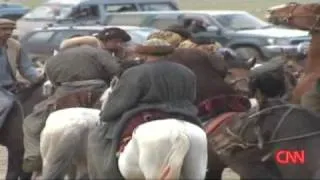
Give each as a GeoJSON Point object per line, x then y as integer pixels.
{"type": "Point", "coordinates": [228, 132]}
{"type": "Point", "coordinates": [81, 98]}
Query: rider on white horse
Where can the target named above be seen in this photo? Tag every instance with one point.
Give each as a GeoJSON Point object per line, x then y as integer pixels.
{"type": "Point", "coordinates": [12, 60]}
{"type": "Point", "coordinates": [74, 69]}
{"type": "Point", "coordinates": [157, 89]}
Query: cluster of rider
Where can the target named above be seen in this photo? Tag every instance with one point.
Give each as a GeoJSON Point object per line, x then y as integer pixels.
{"type": "Point", "coordinates": [90, 63]}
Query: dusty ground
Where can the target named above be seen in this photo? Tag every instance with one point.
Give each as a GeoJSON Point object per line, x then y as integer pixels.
{"type": "Point", "coordinates": [227, 174]}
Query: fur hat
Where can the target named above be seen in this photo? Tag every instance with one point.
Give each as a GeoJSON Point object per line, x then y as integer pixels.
{"type": "Point", "coordinates": [82, 40]}
{"type": "Point", "coordinates": [208, 48]}
{"type": "Point", "coordinates": [173, 38]}
{"type": "Point", "coordinates": [187, 44]}
{"type": "Point", "coordinates": [156, 47]}
{"type": "Point", "coordinates": [7, 23]}
{"type": "Point", "coordinates": [113, 33]}
{"type": "Point", "coordinates": [182, 31]}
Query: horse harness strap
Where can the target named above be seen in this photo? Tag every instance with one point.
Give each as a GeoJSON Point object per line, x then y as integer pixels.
{"type": "Point", "coordinates": [272, 139]}
{"type": "Point", "coordinates": [290, 16]}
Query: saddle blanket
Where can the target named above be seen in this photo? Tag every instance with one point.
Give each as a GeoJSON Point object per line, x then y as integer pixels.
{"type": "Point", "coordinates": [137, 120]}
{"type": "Point", "coordinates": [229, 131]}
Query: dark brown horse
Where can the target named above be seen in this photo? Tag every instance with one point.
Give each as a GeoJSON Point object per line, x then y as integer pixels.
{"type": "Point", "coordinates": [305, 17]}
{"type": "Point", "coordinates": [210, 83]}
{"type": "Point", "coordinates": [11, 134]}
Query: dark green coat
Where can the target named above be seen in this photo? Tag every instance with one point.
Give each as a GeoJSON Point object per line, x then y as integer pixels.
{"type": "Point", "coordinates": [162, 85]}
{"type": "Point", "coordinates": [81, 63]}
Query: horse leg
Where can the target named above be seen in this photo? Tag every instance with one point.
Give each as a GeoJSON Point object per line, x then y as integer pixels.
{"type": "Point", "coordinates": [316, 175]}
{"type": "Point", "coordinates": [13, 140]}
{"type": "Point", "coordinates": [15, 158]}
{"type": "Point", "coordinates": [215, 165]}
{"type": "Point", "coordinates": [58, 148]}
{"type": "Point", "coordinates": [195, 162]}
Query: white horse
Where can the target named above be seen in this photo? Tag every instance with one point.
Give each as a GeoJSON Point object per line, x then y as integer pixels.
{"type": "Point", "coordinates": [161, 149]}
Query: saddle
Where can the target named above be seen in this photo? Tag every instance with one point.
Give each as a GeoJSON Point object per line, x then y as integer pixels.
{"type": "Point", "coordinates": [226, 133]}
{"type": "Point", "coordinates": [138, 119]}
{"type": "Point", "coordinates": [81, 98]}
{"type": "Point", "coordinates": [215, 106]}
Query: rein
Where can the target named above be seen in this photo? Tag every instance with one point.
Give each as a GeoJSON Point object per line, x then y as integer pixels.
{"type": "Point", "coordinates": [283, 118]}
{"type": "Point", "coordinates": [290, 16]}
{"type": "Point", "coordinates": [235, 81]}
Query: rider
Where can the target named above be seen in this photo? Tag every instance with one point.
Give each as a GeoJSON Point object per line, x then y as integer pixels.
{"type": "Point", "coordinates": [12, 60]}
{"type": "Point", "coordinates": [267, 88]}
{"type": "Point", "coordinates": [72, 70]}
{"type": "Point", "coordinates": [157, 89]}
{"type": "Point", "coordinates": [174, 39]}
{"type": "Point", "coordinates": [113, 40]}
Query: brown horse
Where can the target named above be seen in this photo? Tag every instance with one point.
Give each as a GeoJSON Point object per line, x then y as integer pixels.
{"type": "Point", "coordinates": [305, 17]}
{"type": "Point", "coordinates": [210, 84]}
{"type": "Point", "coordinates": [11, 134]}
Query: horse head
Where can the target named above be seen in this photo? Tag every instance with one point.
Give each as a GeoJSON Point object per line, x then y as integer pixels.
{"type": "Point", "coordinates": [302, 16]}
{"type": "Point", "coordinates": [239, 71]}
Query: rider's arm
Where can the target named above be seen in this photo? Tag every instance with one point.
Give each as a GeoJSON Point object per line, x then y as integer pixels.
{"type": "Point", "coordinates": [124, 96]}
{"type": "Point", "coordinates": [109, 63]}
{"type": "Point", "coordinates": [26, 68]}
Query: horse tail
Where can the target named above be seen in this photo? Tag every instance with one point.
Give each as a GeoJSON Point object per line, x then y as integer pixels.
{"type": "Point", "coordinates": [173, 164]}
{"type": "Point", "coordinates": [58, 149]}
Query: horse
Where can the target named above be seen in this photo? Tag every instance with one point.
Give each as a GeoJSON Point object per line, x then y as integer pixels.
{"type": "Point", "coordinates": [215, 77]}
{"type": "Point", "coordinates": [176, 147]}
{"type": "Point", "coordinates": [249, 143]}
{"type": "Point", "coordinates": [11, 133]}
{"type": "Point", "coordinates": [211, 72]}
{"type": "Point", "coordinates": [301, 16]}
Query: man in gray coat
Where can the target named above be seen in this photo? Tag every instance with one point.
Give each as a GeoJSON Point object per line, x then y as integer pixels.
{"type": "Point", "coordinates": [82, 68]}
{"type": "Point", "coordinates": [159, 88]}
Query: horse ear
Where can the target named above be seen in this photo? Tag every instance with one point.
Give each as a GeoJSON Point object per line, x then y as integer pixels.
{"type": "Point", "coordinates": [251, 62]}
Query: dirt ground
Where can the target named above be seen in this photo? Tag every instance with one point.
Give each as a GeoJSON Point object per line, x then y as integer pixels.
{"type": "Point", "coordinates": [227, 174]}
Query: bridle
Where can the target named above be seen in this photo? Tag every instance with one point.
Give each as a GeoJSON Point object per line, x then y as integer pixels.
{"type": "Point", "coordinates": [236, 81]}
{"type": "Point", "coordinates": [290, 16]}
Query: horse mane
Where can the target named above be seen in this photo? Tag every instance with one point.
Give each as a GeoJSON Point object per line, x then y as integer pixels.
{"type": "Point", "coordinates": [196, 58]}
{"type": "Point", "coordinates": [210, 78]}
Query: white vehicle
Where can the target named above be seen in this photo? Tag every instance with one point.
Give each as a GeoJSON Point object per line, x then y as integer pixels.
{"type": "Point", "coordinates": [77, 11]}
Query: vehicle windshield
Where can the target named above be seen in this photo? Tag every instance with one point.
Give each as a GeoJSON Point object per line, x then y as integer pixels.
{"type": "Point", "coordinates": [241, 21]}
{"type": "Point", "coordinates": [49, 12]}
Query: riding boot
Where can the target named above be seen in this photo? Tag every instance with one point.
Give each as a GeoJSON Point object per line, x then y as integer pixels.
{"type": "Point", "coordinates": [32, 127]}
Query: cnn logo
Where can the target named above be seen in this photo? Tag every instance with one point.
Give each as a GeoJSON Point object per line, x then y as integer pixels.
{"type": "Point", "coordinates": [290, 157]}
